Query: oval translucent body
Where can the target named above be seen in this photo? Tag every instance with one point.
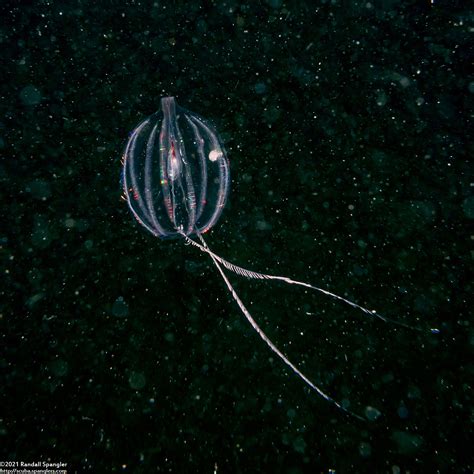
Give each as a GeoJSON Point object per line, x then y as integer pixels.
{"type": "Point", "coordinates": [176, 172]}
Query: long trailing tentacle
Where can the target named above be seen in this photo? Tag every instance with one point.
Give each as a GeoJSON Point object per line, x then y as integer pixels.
{"type": "Point", "coordinates": [262, 276]}
{"type": "Point", "coordinates": [217, 262]}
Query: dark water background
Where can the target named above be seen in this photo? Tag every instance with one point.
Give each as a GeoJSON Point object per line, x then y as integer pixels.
{"type": "Point", "coordinates": [347, 125]}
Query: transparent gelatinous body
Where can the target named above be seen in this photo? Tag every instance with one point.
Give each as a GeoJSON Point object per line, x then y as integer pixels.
{"type": "Point", "coordinates": [175, 172]}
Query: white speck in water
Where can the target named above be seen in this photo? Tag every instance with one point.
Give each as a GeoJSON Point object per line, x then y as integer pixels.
{"type": "Point", "coordinates": [214, 155]}
{"type": "Point", "coordinates": [372, 413]}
